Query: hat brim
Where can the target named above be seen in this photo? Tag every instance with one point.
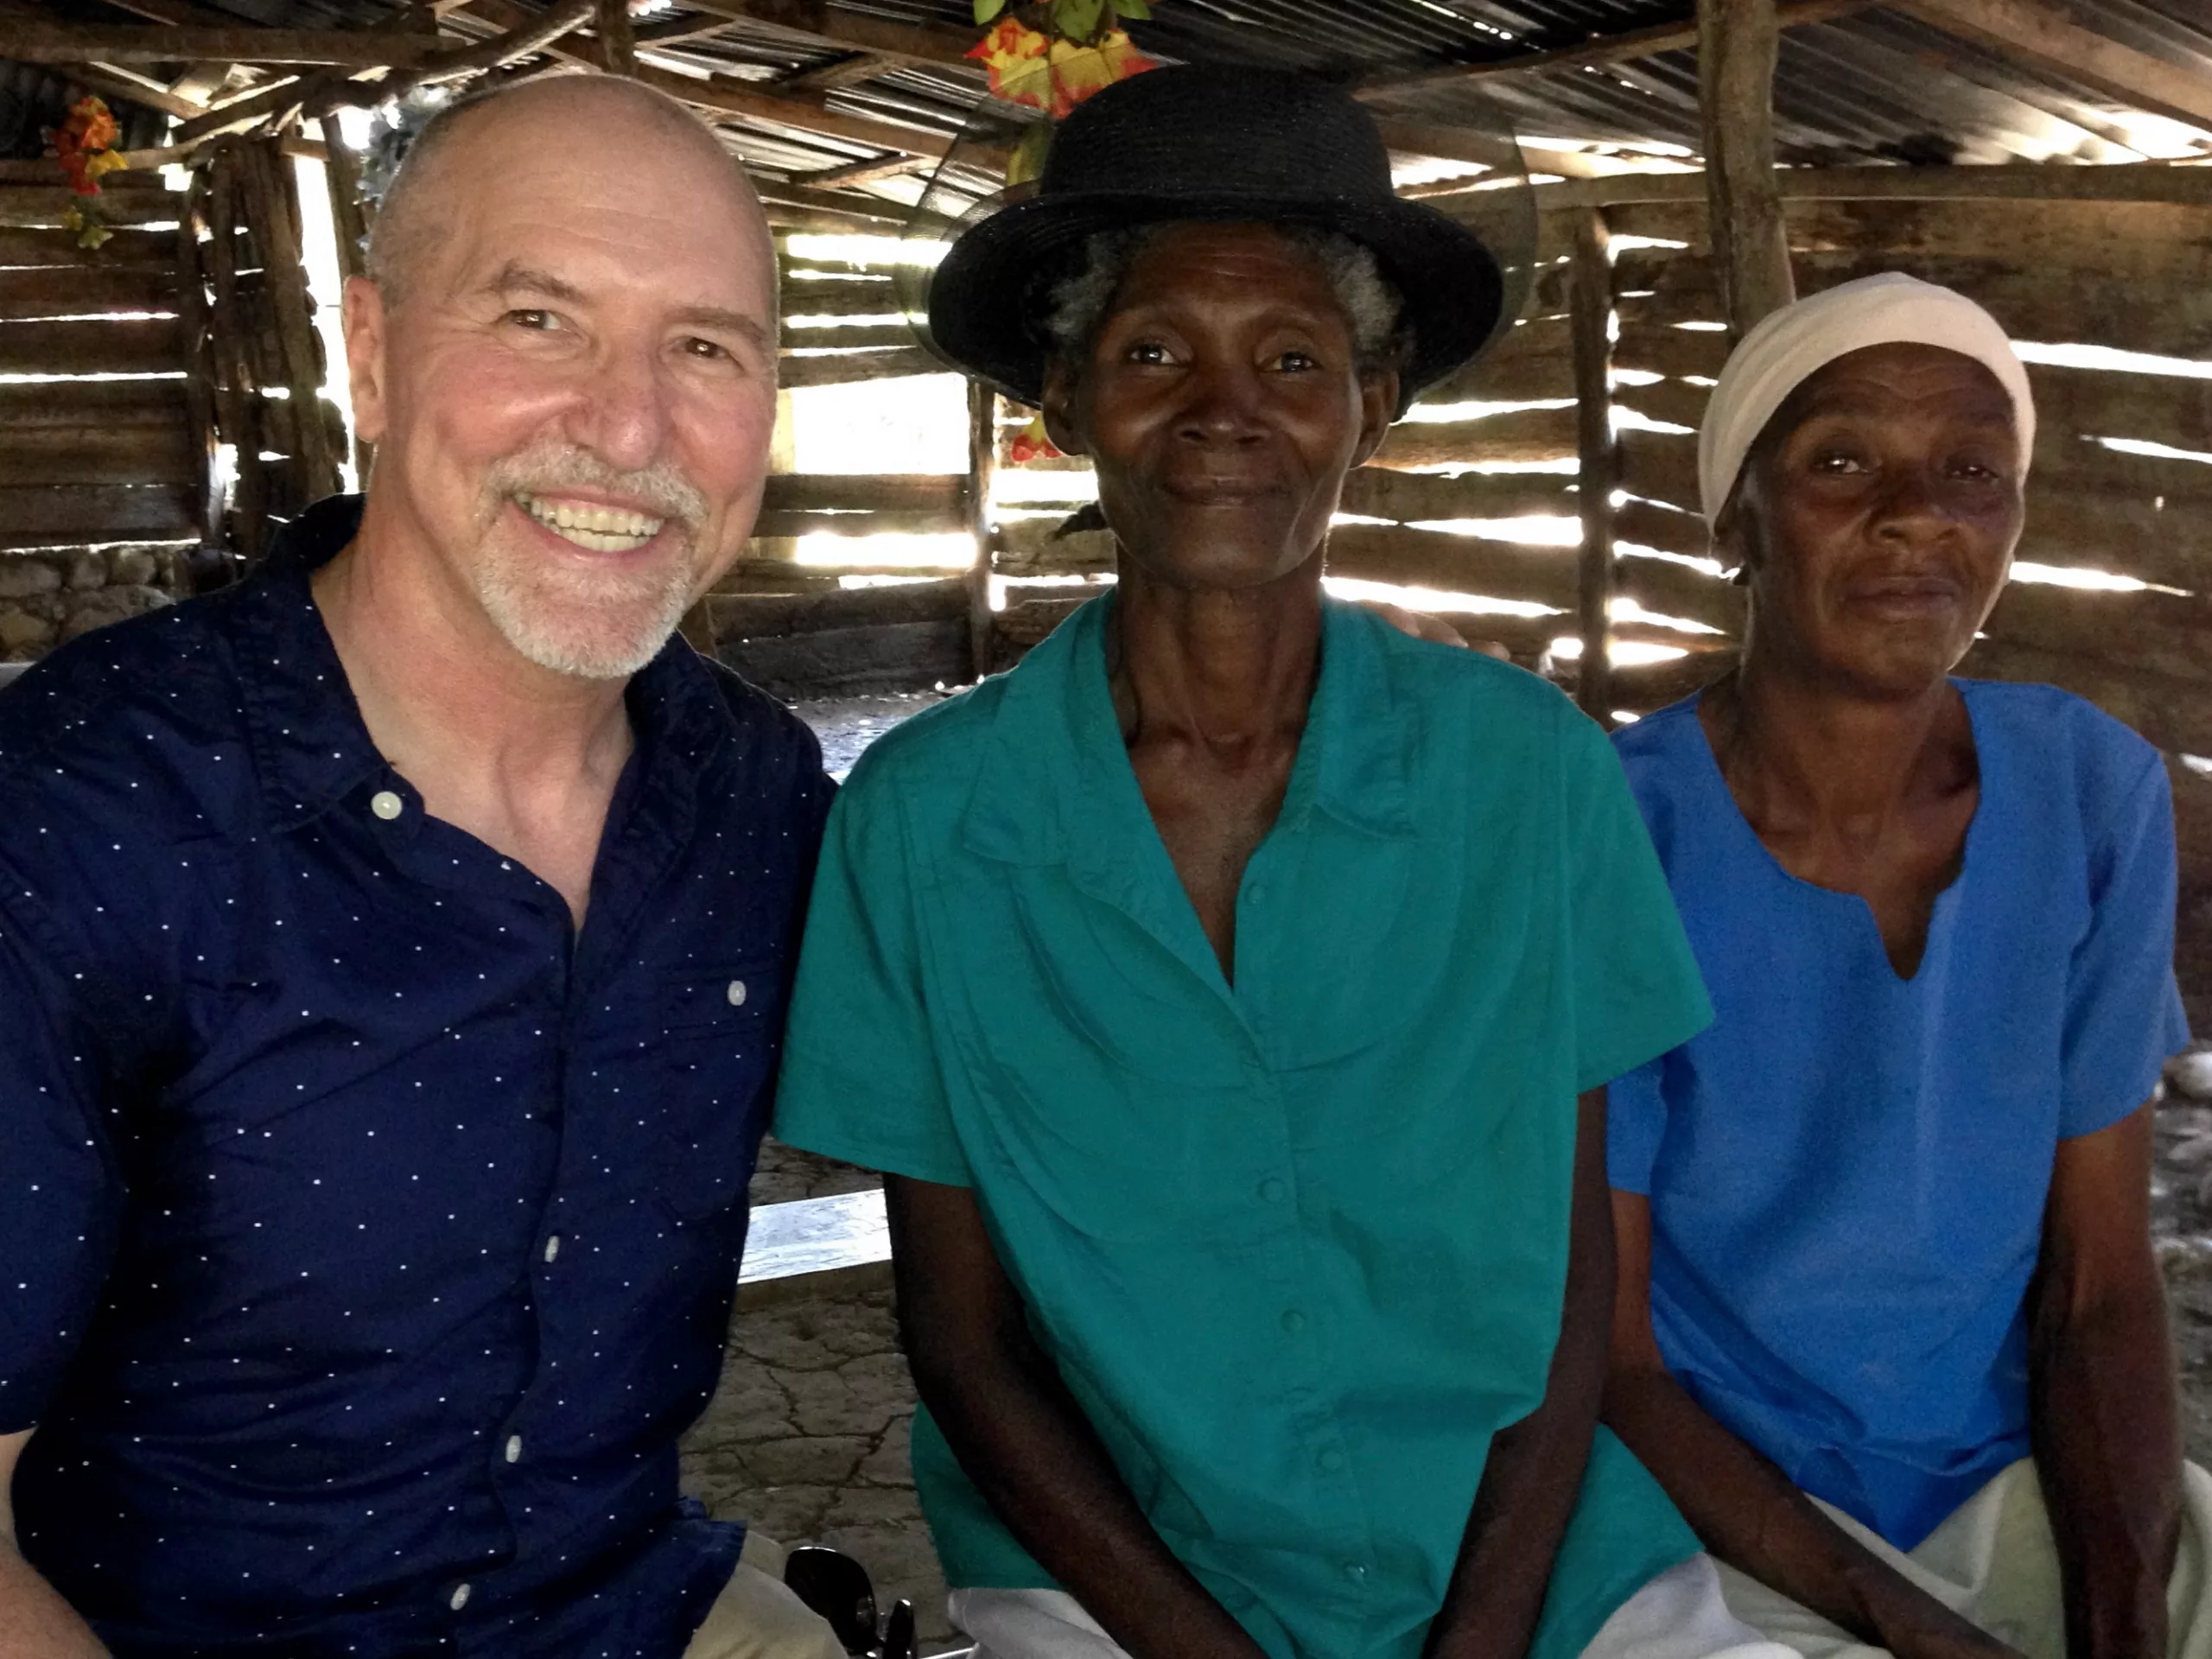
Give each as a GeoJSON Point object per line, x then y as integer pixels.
{"type": "Point", "coordinates": [987, 298]}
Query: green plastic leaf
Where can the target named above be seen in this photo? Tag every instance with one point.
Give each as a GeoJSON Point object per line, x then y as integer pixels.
{"type": "Point", "coordinates": [986, 10]}
{"type": "Point", "coordinates": [1077, 20]}
{"type": "Point", "coordinates": [1134, 11]}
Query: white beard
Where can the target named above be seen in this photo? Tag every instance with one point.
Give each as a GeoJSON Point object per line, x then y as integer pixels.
{"type": "Point", "coordinates": [595, 625]}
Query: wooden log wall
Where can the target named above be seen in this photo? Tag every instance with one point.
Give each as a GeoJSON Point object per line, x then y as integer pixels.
{"type": "Point", "coordinates": [792, 627]}
{"type": "Point", "coordinates": [100, 474]}
{"type": "Point", "coordinates": [2134, 276]}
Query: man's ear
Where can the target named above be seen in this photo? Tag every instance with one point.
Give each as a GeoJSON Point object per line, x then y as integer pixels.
{"type": "Point", "coordinates": [1378, 404]}
{"type": "Point", "coordinates": [365, 321]}
{"type": "Point", "coordinates": [1059, 407]}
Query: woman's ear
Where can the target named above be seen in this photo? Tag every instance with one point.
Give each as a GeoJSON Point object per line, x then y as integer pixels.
{"type": "Point", "coordinates": [1058, 406]}
{"type": "Point", "coordinates": [1378, 405]}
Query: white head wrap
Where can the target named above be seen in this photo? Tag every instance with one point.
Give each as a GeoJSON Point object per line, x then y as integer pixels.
{"type": "Point", "coordinates": [1791, 346]}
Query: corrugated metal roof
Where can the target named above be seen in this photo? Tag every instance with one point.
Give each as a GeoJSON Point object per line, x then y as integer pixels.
{"type": "Point", "coordinates": [1874, 87]}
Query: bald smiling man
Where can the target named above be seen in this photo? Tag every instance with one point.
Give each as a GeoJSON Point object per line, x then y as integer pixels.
{"type": "Point", "coordinates": [392, 954]}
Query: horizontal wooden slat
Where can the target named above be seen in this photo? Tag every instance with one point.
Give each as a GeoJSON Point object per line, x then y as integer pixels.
{"type": "Point", "coordinates": [843, 368]}
{"type": "Point", "coordinates": [2021, 182]}
{"type": "Point", "coordinates": [1384, 493]}
{"type": "Point", "coordinates": [1673, 590]}
{"type": "Point", "coordinates": [1533, 361]}
{"type": "Point", "coordinates": [904, 521]}
{"type": "Point", "coordinates": [124, 455]}
{"type": "Point", "coordinates": [2134, 241]}
{"type": "Point", "coordinates": [31, 40]}
{"type": "Point", "coordinates": [125, 249]}
{"type": "Point", "coordinates": [2166, 633]}
{"type": "Point", "coordinates": [2126, 532]}
{"type": "Point", "coordinates": [2030, 303]}
{"type": "Point", "coordinates": [762, 615]}
{"type": "Point", "coordinates": [864, 491]}
{"type": "Point", "coordinates": [28, 205]}
{"type": "Point", "coordinates": [856, 299]}
{"type": "Point", "coordinates": [91, 403]}
{"type": "Point", "coordinates": [1461, 564]}
{"type": "Point", "coordinates": [1671, 350]}
{"type": "Point", "coordinates": [62, 292]}
{"type": "Point", "coordinates": [1670, 531]}
{"type": "Point", "coordinates": [61, 513]}
{"type": "Point", "coordinates": [1032, 544]}
{"type": "Point", "coordinates": [871, 336]}
{"type": "Point", "coordinates": [1660, 467]}
{"type": "Point", "coordinates": [2175, 714]}
{"type": "Point", "coordinates": [151, 346]}
{"type": "Point", "coordinates": [897, 657]}
{"type": "Point", "coordinates": [1519, 437]}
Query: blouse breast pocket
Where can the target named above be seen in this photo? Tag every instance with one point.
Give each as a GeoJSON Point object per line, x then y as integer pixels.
{"type": "Point", "coordinates": [718, 1027]}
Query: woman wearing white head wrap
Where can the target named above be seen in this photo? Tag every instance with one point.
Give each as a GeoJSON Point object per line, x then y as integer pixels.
{"type": "Point", "coordinates": [1886, 1276]}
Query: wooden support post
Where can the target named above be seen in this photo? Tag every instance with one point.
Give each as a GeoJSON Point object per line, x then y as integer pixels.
{"type": "Point", "coordinates": [349, 219]}
{"type": "Point", "coordinates": [199, 376]}
{"type": "Point", "coordinates": [618, 42]}
{"type": "Point", "coordinates": [982, 463]}
{"type": "Point", "coordinates": [213, 198]}
{"type": "Point", "coordinates": [1590, 303]}
{"type": "Point", "coordinates": [274, 220]}
{"type": "Point", "coordinates": [1737, 41]}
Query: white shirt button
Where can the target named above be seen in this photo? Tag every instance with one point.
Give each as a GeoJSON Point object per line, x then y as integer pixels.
{"type": "Point", "coordinates": [459, 1599]}
{"type": "Point", "coordinates": [388, 806]}
{"type": "Point", "coordinates": [552, 1247]}
{"type": "Point", "coordinates": [514, 1448]}
{"type": "Point", "coordinates": [737, 993]}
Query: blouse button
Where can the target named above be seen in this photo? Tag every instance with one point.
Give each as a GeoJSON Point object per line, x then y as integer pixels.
{"type": "Point", "coordinates": [388, 806]}
{"type": "Point", "coordinates": [737, 993]}
{"type": "Point", "coordinates": [459, 1599]}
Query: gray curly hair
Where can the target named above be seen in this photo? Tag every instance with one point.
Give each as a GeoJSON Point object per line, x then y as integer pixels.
{"type": "Point", "coordinates": [1077, 303]}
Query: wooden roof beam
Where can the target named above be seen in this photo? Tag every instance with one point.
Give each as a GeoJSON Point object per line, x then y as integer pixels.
{"type": "Point", "coordinates": [2041, 37]}
{"type": "Point", "coordinates": [30, 41]}
{"type": "Point", "coordinates": [316, 95]}
{"type": "Point", "coordinates": [848, 71]}
{"type": "Point", "coordinates": [850, 174]}
{"type": "Point", "coordinates": [1608, 49]}
{"type": "Point", "coordinates": [901, 42]}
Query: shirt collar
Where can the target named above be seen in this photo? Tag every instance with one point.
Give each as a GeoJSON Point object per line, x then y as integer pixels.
{"type": "Point", "coordinates": [1048, 792]}
{"type": "Point", "coordinates": [312, 750]}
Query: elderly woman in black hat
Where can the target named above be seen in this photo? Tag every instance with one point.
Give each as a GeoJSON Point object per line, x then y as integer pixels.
{"type": "Point", "coordinates": [1229, 992]}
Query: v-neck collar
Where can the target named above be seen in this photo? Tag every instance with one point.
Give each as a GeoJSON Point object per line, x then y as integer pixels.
{"type": "Point", "coordinates": [1724, 806]}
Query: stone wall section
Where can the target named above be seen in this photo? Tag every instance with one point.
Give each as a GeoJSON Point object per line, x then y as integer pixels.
{"type": "Point", "coordinates": [49, 597]}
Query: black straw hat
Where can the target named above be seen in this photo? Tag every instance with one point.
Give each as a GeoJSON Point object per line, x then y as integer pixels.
{"type": "Point", "coordinates": [1197, 141]}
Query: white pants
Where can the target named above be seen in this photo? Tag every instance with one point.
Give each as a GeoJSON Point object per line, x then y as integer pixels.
{"type": "Point", "coordinates": [756, 1617]}
{"type": "Point", "coordinates": [1994, 1561]}
{"type": "Point", "coordinates": [1679, 1615]}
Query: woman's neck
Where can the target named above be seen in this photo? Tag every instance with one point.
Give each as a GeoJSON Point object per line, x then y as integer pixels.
{"type": "Point", "coordinates": [1806, 755]}
{"type": "Point", "coordinates": [1229, 669]}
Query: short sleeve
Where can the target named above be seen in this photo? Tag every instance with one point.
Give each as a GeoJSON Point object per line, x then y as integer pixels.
{"type": "Point", "coordinates": [1637, 990]}
{"type": "Point", "coordinates": [1636, 1122]}
{"type": "Point", "coordinates": [2123, 1009]}
{"type": "Point", "coordinates": [860, 1077]}
{"type": "Point", "coordinates": [61, 1196]}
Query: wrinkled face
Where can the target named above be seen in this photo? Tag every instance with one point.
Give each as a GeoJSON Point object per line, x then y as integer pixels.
{"type": "Point", "coordinates": [1879, 516]}
{"type": "Point", "coordinates": [573, 398]}
{"type": "Point", "coordinates": [1222, 406]}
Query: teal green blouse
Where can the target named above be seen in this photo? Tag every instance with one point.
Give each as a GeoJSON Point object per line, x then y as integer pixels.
{"type": "Point", "coordinates": [1298, 1244]}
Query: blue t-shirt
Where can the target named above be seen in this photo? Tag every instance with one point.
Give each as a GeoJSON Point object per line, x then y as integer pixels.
{"type": "Point", "coordinates": [1847, 1171]}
